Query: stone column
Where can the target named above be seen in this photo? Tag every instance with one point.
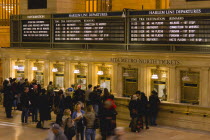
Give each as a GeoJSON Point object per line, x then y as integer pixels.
{"type": "Point", "coordinates": [142, 79]}
{"type": "Point", "coordinates": [204, 86]}
{"type": "Point", "coordinates": [67, 72]}
{"type": "Point", "coordinates": [178, 86]}
{"type": "Point", "coordinates": [27, 69]}
{"type": "Point", "coordinates": [46, 72]}
{"type": "Point", "coordinates": [117, 82]}
{"type": "Point", "coordinates": [90, 73]}
{"type": "Point", "coordinates": [7, 68]}
{"type": "Point", "coordinates": [172, 84]}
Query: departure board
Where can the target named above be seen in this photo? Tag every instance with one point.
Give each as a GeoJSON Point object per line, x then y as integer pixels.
{"type": "Point", "coordinates": [170, 27]}
{"type": "Point", "coordinates": [36, 30]}
{"type": "Point", "coordinates": [90, 28]}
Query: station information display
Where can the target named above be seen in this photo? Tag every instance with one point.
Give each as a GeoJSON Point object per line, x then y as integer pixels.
{"type": "Point", "coordinates": [89, 27]}
{"type": "Point", "coordinates": [36, 30]}
{"type": "Point", "coordinates": [170, 27]}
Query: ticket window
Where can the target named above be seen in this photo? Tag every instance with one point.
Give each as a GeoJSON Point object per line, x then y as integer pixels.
{"type": "Point", "coordinates": [38, 69]}
{"type": "Point", "coordinates": [190, 87]}
{"type": "Point", "coordinates": [130, 81]}
{"type": "Point", "coordinates": [159, 83]}
{"type": "Point", "coordinates": [19, 70]}
{"type": "Point", "coordinates": [58, 74]}
{"type": "Point", "coordinates": [104, 77]}
{"type": "Point", "coordinates": [81, 76]}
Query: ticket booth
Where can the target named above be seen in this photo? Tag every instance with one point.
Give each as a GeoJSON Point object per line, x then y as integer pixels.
{"type": "Point", "coordinates": [80, 73]}
{"type": "Point", "coordinates": [190, 87]}
{"type": "Point", "coordinates": [159, 82]}
{"type": "Point", "coordinates": [38, 71]}
{"type": "Point", "coordinates": [19, 68]}
{"type": "Point", "coordinates": [58, 75]}
{"type": "Point", "coordinates": [130, 81]}
{"type": "Point", "coordinates": [104, 76]}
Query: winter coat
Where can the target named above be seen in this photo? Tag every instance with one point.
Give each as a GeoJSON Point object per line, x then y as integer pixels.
{"type": "Point", "coordinates": [8, 96]}
{"type": "Point", "coordinates": [133, 107]}
{"type": "Point", "coordinates": [44, 107]}
{"type": "Point", "coordinates": [90, 119]}
{"type": "Point", "coordinates": [24, 99]}
{"type": "Point", "coordinates": [154, 102]}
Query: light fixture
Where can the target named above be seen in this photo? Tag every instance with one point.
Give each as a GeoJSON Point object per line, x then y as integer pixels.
{"type": "Point", "coordinates": [54, 70]}
{"type": "Point", "coordinates": [34, 68]}
{"type": "Point", "coordinates": [76, 71]}
{"type": "Point", "coordinates": [125, 74]}
{"type": "Point", "coordinates": [15, 67]}
{"type": "Point", "coordinates": [154, 76]}
{"type": "Point", "coordinates": [186, 78]}
{"type": "Point", "coordinates": [100, 73]}
{"type": "Point", "coordinates": [164, 75]}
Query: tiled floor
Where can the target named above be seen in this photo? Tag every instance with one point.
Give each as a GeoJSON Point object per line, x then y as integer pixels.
{"type": "Point", "coordinates": [12, 129]}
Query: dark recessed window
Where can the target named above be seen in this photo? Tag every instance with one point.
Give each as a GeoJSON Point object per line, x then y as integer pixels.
{"type": "Point", "coordinates": [37, 4]}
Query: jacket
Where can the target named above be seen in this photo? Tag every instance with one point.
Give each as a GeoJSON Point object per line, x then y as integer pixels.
{"type": "Point", "coordinates": [24, 98]}
{"type": "Point", "coordinates": [90, 119]}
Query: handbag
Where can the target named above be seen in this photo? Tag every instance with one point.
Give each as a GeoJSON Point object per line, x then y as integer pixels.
{"type": "Point", "coordinates": [69, 131]}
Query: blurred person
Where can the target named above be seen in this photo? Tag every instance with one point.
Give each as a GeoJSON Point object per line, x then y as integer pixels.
{"type": "Point", "coordinates": [87, 93]}
{"type": "Point", "coordinates": [78, 117]}
{"type": "Point", "coordinates": [90, 117]}
{"type": "Point", "coordinates": [144, 103]}
{"type": "Point", "coordinates": [50, 88]}
{"type": "Point", "coordinates": [107, 117]}
{"type": "Point", "coordinates": [154, 102]}
{"type": "Point", "coordinates": [99, 89]}
{"type": "Point", "coordinates": [56, 133]}
{"type": "Point", "coordinates": [68, 124]}
{"type": "Point", "coordinates": [25, 103]}
{"type": "Point", "coordinates": [8, 98]}
{"type": "Point", "coordinates": [119, 134]}
{"type": "Point", "coordinates": [106, 95]}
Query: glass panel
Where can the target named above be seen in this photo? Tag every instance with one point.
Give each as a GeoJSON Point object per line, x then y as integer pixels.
{"type": "Point", "coordinates": [190, 87]}
{"type": "Point", "coordinates": [159, 83]}
{"type": "Point", "coordinates": [130, 78]}
{"type": "Point", "coordinates": [81, 77]}
{"type": "Point", "coordinates": [104, 80]}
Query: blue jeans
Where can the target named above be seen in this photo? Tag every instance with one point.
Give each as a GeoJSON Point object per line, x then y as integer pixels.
{"type": "Point", "coordinates": [24, 116]}
{"type": "Point", "coordinates": [96, 108]}
{"type": "Point", "coordinates": [90, 134]}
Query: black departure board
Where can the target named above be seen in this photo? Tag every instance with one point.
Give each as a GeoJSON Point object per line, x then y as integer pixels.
{"type": "Point", "coordinates": [90, 28]}
{"type": "Point", "coordinates": [170, 27]}
{"type": "Point", "coordinates": [36, 30]}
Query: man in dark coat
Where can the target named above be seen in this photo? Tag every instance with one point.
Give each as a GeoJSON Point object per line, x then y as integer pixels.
{"type": "Point", "coordinates": [145, 110]}
{"type": "Point", "coordinates": [154, 105]}
{"type": "Point", "coordinates": [79, 95]}
{"type": "Point", "coordinates": [44, 106]}
{"type": "Point", "coordinates": [8, 98]}
{"type": "Point", "coordinates": [25, 103]}
{"type": "Point", "coordinates": [34, 95]}
{"type": "Point", "coordinates": [94, 98]}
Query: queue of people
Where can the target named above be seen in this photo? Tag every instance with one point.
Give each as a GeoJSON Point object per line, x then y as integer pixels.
{"type": "Point", "coordinates": [77, 115]}
{"type": "Point", "coordinates": [143, 111]}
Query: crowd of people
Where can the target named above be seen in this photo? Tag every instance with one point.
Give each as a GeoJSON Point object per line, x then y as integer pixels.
{"type": "Point", "coordinates": [78, 113]}
{"type": "Point", "coordinates": [143, 111]}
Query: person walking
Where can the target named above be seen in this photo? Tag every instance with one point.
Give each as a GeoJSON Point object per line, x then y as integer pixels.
{"type": "Point", "coordinates": [154, 102]}
{"type": "Point", "coordinates": [107, 117]}
{"type": "Point", "coordinates": [25, 102]}
{"type": "Point", "coordinates": [90, 118]}
{"type": "Point", "coordinates": [8, 98]}
{"type": "Point", "coordinates": [78, 117]}
{"type": "Point", "coordinates": [56, 133]}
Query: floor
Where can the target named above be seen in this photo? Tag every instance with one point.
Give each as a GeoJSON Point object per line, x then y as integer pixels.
{"type": "Point", "coordinates": [12, 129]}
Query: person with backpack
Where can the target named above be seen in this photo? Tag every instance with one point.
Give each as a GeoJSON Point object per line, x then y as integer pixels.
{"type": "Point", "coordinates": [90, 118]}
{"type": "Point", "coordinates": [68, 125]}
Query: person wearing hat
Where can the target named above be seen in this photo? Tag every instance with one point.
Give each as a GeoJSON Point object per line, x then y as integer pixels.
{"type": "Point", "coordinates": [56, 133]}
